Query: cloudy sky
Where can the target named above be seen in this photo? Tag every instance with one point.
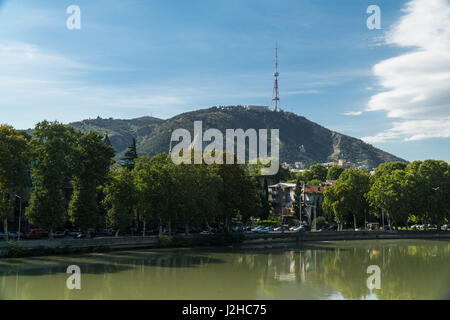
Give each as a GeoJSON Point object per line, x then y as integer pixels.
{"type": "Point", "coordinates": [390, 87]}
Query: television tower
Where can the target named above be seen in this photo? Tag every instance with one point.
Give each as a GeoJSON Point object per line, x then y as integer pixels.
{"type": "Point", "coordinates": [276, 93]}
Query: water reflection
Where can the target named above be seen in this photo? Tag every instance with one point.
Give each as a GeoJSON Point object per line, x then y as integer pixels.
{"type": "Point", "coordinates": [409, 270]}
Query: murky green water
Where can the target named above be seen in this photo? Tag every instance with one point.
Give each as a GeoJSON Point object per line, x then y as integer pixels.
{"type": "Point", "coordinates": [410, 269]}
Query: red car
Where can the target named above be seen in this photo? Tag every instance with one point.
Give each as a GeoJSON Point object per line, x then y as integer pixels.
{"type": "Point", "coordinates": [35, 234]}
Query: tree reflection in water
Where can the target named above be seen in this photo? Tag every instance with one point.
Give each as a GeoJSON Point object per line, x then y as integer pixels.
{"type": "Point", "coordinates": [410, 269]}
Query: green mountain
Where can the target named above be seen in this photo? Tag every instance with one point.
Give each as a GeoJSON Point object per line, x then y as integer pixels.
{"type": "Point", "coordinates": [300, 139]}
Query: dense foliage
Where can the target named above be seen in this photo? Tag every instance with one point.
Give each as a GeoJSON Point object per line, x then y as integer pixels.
{"type": "Point", "coordinates": [74, 181]}
{"type": "Point", "coordinates": [414, 193]}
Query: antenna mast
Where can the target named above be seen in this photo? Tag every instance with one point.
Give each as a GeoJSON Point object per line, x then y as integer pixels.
{"type": "Point", "coordinates": [276, 93]}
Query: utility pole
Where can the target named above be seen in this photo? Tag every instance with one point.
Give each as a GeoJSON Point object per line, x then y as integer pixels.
{"type": "Point", "coordinates": [302, 201]}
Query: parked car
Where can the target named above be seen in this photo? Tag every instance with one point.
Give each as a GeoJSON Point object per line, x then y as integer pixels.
{"type": "Point", "coordinates": [206, 232]}
{"type": "Point", "coordinates": [256, 229]}
{"type": "Point", "coordinates": [15, 234]}
{"type": "Point", "coordinates": [60, 233]}
{"type": "Point", "coordinates": [73, 232]}
{"type": "Point", "coordinates": [82, 235]}
{"type": "Point", "coordinates": [35, 234]}
{"type": "Point", "coordinates": [107, 232]}
{"type": "Point", "coordinates": [260, 230]}
{"type": "Point", "coordinates": [280, 228]}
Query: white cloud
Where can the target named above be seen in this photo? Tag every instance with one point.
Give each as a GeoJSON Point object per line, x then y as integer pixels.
{"type": "Point", "coordinates": [412, 130]}
{"type": "Point", "coordinates": [47, 85]}
{"type": "Point", "coordinates": [352, 113]}
{"type": "Point", "coordinates": [416, 84]}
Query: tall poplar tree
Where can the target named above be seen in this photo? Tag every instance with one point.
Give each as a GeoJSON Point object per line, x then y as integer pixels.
{"type": "Point", "coordinates": [14, 163]}
{"type": "Point", "coordinates": [52, 145]}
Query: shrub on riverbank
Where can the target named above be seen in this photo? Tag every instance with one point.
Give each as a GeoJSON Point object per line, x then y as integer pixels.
{"type": "Point", "coordinates": [14, 249]}
{"type": "Point", "coordinates": [164, 241]}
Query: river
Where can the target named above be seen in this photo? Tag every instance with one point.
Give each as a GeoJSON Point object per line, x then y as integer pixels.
{"type": "Point", "coordinates": [409, 269]}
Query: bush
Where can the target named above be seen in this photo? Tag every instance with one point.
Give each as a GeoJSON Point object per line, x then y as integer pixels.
{"type": "Point", "coordinates": [164, 241]}
{"type": "Point", "coordinates": [320, 222]}
{"type": "Point", "coordinates": [14, 249]}
{"type": "Point", "coordinates": [180, 241]}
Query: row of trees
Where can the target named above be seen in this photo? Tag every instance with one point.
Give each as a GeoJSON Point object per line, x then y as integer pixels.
{"type": "Point", "coordinates": [157, 189]}
{"type": "Point", "coordinates": [73, 179]}
{"type": "Point", "coordinates": [55, 158]}
{"type": "Point", "coordinates": [58, 158]}
{"type": "Point", "coordinates": [405, 193]}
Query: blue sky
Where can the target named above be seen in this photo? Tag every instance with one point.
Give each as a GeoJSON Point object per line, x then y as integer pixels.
{"type": "Point", "coordinates": [160, 58]}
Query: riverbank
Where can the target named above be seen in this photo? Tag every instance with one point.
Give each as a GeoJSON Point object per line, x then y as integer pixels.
{"type": "Point", "coordinates": [70, 246]}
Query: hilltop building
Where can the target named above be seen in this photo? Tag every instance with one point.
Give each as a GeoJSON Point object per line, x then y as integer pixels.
{"type": "Point", "coordinates": [257, 108]}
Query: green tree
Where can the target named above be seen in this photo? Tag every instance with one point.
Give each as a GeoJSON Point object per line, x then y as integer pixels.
{"type": "Point", "coordinates": [432, 189]}
{"type": "Point", "coordinates": [306, 176]}
{"type": "Point", "coordinates": [239, 192]}
{"type": "Point", "coordinates": [389, 167]}
{"type": "Point", "coordinates": [298, 205]}
{"type": "Point", "coordinates": [358, 182]}
{"type": "Point", "coordinates": [334, 172]}
{"type": "Point", "coordinates": [90, 161]}
{"type": "Point", "coordinates": [14, 163]}
{"type": "Point", "coordinates": [348, 195]}
{"type": "Point", "coordinates": [264, 201]}
{"type": "Point", "coordinates": [319, 172]}
{"type": "Point", "coordinates": [336, 202]}
{"type": "Point", "coordinates": [314, 182]}
{"type": "Point", "coordinates": [390, 193]}
{"type": "Point", "coordinates": [156, 190]}
{"type": "Point", "coordinates": [209, 186]}
{"type": "Point", "coordinates": [120, 199]}
{"type": "Point", "coordinates": [52, 145]}
{"type": "Point", "coordinates": [130, 156]}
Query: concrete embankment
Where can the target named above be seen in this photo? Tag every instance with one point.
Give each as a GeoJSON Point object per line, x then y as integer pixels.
{"type": "Point", "coordinates": [343, 235]}
{"type": "Point", "coordinates": [67, 246]}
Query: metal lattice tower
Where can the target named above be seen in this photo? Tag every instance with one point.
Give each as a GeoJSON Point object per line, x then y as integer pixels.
{"type": "Point", "coordinates": [276, 93]}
